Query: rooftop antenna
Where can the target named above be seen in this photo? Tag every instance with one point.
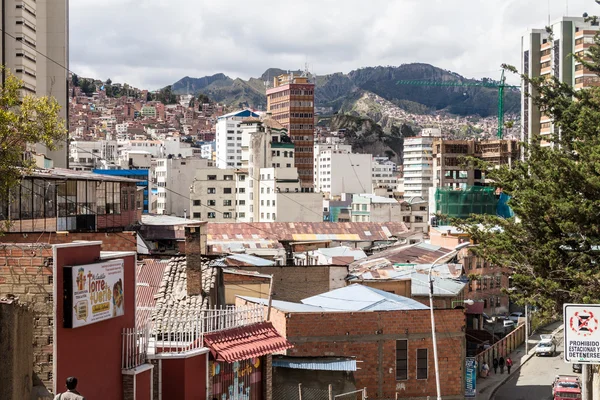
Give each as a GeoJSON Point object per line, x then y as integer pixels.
{"type": "Point", "coordinates": [548, 12]}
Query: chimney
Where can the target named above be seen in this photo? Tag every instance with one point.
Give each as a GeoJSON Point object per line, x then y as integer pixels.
{"type": "Point", "coordinates": [195, 248]}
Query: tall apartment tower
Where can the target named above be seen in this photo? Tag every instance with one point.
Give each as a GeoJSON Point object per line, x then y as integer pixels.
{"type": "Point", "coordinates": [541, 56]}
{"type": "Point", "coordinates": [228, 138]}
{"type": "Point", "coordinates": [291, 102]}
{"type": "Point", "coordinates": [32, 28]}
{"type": "Point", "coordinates": [418, 164]}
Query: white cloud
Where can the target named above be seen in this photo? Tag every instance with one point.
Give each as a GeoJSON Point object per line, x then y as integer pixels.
{"type": "Point", "coordinates": [153, 43]}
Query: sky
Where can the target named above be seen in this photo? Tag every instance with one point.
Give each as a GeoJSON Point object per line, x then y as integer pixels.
{"type": "Point", "coordinates": [153, 43]}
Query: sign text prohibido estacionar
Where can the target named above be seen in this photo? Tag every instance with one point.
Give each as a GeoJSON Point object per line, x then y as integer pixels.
{"type": "Point", "coordinates": [582, 336]}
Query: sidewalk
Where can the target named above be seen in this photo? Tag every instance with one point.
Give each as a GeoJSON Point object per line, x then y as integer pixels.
{"type": "Point", "coordinates": [486, 387]}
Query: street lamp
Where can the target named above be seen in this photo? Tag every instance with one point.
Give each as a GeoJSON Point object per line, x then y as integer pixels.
{"type": "Point", "coordinates": [435, 353]}
{"type": "Point", "coordinates": [468, 302]}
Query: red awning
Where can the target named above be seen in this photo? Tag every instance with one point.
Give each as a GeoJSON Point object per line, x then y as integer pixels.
{"type": "Point", "coordinates": [245, 342]}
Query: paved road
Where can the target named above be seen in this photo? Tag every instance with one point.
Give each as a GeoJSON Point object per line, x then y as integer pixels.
{"type": "Point", "coordinates": [533, 380]}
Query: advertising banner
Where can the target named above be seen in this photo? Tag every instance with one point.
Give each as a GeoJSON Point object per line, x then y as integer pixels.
{"type": "Point", "coordinates": [471, 377]}
{"type": "Point", "coordinates": [93, 293]}
{"type": "Point", "coordinates": [581, 334]}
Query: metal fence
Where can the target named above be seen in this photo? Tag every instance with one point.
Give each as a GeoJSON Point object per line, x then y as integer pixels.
{"type": "Point", "coordinates": [177, 333]}
{"type": "Point", "coordinates": [300, 392]}
{"type": "Point", "coordinates": [503, 347]}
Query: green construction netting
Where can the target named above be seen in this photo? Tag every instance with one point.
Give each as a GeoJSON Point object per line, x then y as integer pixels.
{"type": "Point", "coordinates": [462, 203]}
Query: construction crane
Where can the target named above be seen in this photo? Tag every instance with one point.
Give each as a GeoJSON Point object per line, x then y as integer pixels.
{"type": "Point", "coordinates": [500, 86]}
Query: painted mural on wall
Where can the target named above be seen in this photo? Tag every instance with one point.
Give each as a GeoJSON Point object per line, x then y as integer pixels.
{"type": "Point", "coordinates": [240, 380]}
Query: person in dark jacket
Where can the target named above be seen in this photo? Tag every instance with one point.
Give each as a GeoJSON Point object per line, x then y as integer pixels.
{"type": "Point", "coordinates": [501, 364]}
{"type": "Point", "coordinates": [495, 365]}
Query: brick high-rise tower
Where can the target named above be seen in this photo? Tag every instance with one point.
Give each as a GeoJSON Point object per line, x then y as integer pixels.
{"type": "Point", "coordinates": [291, 102]}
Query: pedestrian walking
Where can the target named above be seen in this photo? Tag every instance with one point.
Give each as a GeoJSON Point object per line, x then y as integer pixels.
{"type": "Point", "coordinates": [508, 364]}
{"type": "Point", "coordinates": [485, 370]}
{"type": "Point", "coordinates": [501, 364]}
{"type": "Point", "coordinates": [495, 365]}
{"type": "Point", "coordinates": [71, 393]}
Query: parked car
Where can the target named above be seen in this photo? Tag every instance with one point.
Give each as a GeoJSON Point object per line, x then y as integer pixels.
{"type": "Point", "coordinates": [577, 368]}
{"type": "Point", "coordinates": [515, 316]}
{"type": "Point", "coordinates": [509, 323]}
{"type": "Point", "coordinates": [546, 346]}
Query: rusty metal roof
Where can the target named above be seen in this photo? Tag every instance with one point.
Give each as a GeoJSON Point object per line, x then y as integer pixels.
{"type": "Point", "coordinates": [305, 231]}
{"type": "Point", "coordinates": [420, 253]}
{"type": "Point", "coordinates": [149, 277]}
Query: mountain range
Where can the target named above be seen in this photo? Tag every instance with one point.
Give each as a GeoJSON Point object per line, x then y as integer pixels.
{"type": "Point", "coordinates": [340, 92]}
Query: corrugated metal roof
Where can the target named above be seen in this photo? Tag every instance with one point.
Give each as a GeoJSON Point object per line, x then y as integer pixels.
{"type": "Point", "coordinates": [442, 287]}
{"type": "Point", "coordinates": [420, 253]}
{"type": "Point", "coordinates": [245, 342]}
{"type": "Point", "coordinates": [285, 306]}
{"type": "Point", "coordinates": [315, 364]}
{"type": "Point", "coordinates": [362, 298]}
{"type": "Point", "coordinates": [248, 259]}
{"type": "Point", "coordinates": [305, 231]}
{"type": "Point", "coordinates": [167, 220]}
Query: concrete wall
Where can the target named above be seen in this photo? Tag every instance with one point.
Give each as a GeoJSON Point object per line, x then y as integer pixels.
{"type": "Point", "coordinates": [16, 355]}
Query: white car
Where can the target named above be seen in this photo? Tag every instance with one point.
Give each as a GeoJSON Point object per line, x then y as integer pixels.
{"type": "Point", "coordinates": [546, 346]}
{"type": "Point", "coordinates": [515, 316]}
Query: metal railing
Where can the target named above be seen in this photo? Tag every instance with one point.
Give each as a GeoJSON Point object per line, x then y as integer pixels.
{"type": "Point", "coordinates": [178, 332]}
{"type": "Point", "coordinates": [134, 349]}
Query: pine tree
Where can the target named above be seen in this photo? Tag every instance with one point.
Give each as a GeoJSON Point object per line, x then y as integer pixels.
{"type": "Point", "coordinates": [553, 243]}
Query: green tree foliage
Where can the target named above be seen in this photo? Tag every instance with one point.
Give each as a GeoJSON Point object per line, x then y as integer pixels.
{"type": "Point", "coordinates": [553, 245]}
{"type": "Point", "coordinates": [87, 86]}
{"type": "Point", "coordinates": [166, 95]}
{"type": "Point", "coordinates": [24, 121]}
{"type": "Point", "coordinates": [75, 80]}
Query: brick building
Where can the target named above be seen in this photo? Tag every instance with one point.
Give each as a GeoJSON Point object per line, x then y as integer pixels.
{"type": "Point", "coordinates": [291, 101]}
{"type": "Point", "coordinates": [388, 334]}
{"type": "Point", "coordinates": [486, 281]}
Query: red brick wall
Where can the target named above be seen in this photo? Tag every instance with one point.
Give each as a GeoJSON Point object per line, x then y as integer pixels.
{"type": "Point", "coordinates": [371, 338]}
{"type": "Point", "coordinates": [117, 241]}
{"type": "Point", "coordinates": [26, 272]}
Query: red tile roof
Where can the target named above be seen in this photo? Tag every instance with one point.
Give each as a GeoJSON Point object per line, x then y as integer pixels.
{"type": "Point", "coordinates": [245, 342]}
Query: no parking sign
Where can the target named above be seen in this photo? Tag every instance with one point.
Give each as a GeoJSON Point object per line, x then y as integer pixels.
{"type": "Point", "coordinates": [581, 334]}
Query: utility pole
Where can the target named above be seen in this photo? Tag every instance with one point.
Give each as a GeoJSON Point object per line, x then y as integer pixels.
{"type": "Point", "coordinates": [526, 329]}
{"type": "Point", "coordinates": [270, 299]}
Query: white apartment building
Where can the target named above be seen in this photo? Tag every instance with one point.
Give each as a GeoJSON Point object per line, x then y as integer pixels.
{"type": "Point", "coordinates": [384, 175]}
{"type": "Point", "coordinates": [274, 189]}
{"type": "Point", "coordinates": [206, 150]}
{"type": "Point", "coordinates": [43, 27]}
{"type": "Point", "coordinates": [229, 138]}
{"type": "Point", "coordinates": [418, 164]}
{"type": "Point", "coordinates": [213, 195]}
{"type": "Point", "coordinates": [338, 170]}
{"type": "Point", "coordinates": [173, 178]}
{"type": "Point", "coordinates": [372, 208]}
{"type": "Point", "coordinates": [86, 155]}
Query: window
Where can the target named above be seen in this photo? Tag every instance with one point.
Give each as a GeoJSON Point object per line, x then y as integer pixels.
{"type": "Point", "coordinates": [227, 202]}
{"type": "Point", "coordinates": [242, 202]}
{"type": "Point", "coordinates": [421, 363]}
{"type": "Point", "coordinates": [227, 190]}
{"type": "Point", "coordinates": [197, 202]}
{"type": "Point", "coordinates": [242, 190]}
{"type": "Point", "coordinates": [498, 301]}
{"type": "Point", "coordinates": [212, 203]}
{"type": "Point", "coordinates": [228, 177]}
{"type": "Point", "coordinates": [401, 360]}
{"type": "Point", "coordinates": [274, 217]}
{"type": "Point", "coordinates": [211, 215]}
{"type": "Point", "coordinates": [242, 215]}
{"type": "Point", "coordinates": [227, 215]}
{"type": "Point", "coordinates": [211, 191]}
{"type": "Point", "coordinates": [197, 215]}
{"type": "Point", "coordinates": [262, 215]}
{"type": "Point", "coordinates": [498, 280]}
{"type": "Point", "coordinates": [212, 177]}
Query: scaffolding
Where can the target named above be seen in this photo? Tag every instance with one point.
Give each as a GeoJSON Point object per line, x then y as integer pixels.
{"type": "Point", "coordinates": [461, 203]}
